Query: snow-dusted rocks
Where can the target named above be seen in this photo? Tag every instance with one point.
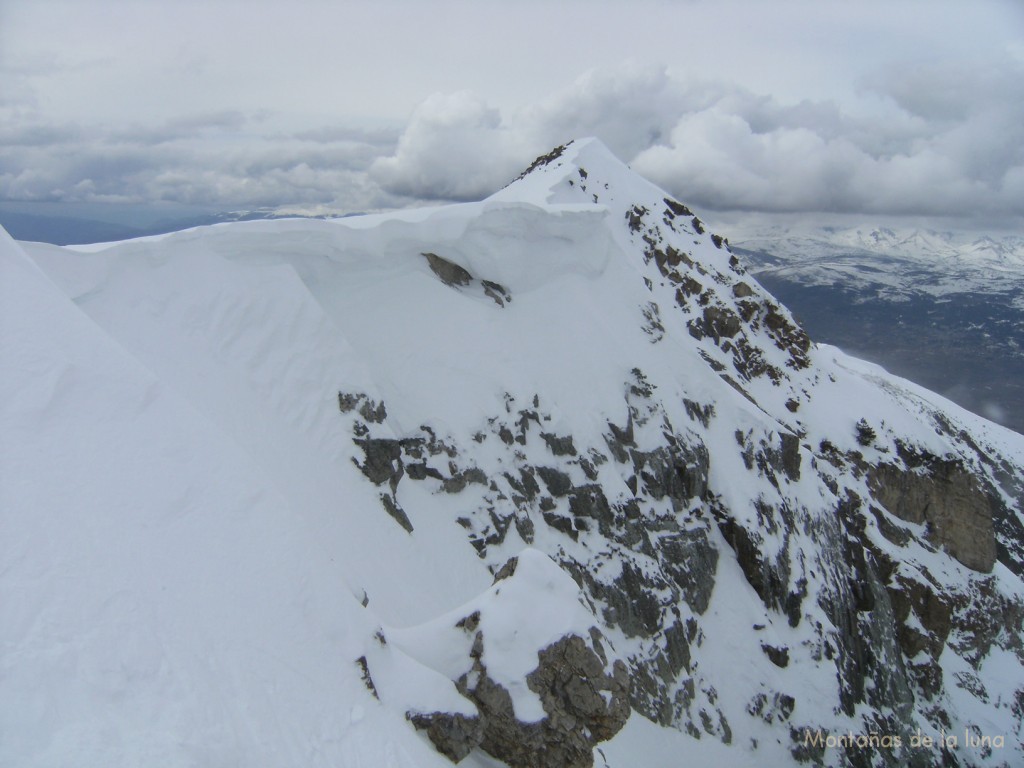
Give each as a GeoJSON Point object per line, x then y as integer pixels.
{"type": "Point", "coordinates": [529, 657]}
{"type": "Point", "coordinates": [294, 456]}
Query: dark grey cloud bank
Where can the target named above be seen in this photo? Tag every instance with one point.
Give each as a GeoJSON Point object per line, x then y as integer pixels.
{"type": "Point", "coordinates": [215, 160]}
{"type": "Point", "coordinates": [941, 139]}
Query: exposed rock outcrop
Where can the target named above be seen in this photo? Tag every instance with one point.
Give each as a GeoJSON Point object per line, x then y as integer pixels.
{"type": "Point", "coordinates": [947, 498]}
{"type": "Point", "coordinates": [583, 706]}
{"type": "Point", "coordinates": [583, 694]}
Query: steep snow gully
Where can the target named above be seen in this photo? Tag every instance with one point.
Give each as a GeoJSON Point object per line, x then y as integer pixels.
{"type": "Point", "coordinates": [544, 480]}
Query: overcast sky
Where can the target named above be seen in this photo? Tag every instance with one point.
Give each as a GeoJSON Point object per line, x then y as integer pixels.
{"type": "Point", "coordinates": [866, 108]}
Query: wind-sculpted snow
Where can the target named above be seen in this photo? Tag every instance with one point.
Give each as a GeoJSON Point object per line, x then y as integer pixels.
{"type": "Point", "coordinates": [473, 483]}
{"type": "Point", "coordinates": [157, 587]}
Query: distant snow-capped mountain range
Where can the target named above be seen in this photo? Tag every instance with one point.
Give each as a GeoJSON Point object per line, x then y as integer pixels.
{"type": "Point", "coordinates": [885, 241]}
{"type": "Point", "coordinates": [945, 309]}
{"type": "Point", "coordinates": [898, 262]}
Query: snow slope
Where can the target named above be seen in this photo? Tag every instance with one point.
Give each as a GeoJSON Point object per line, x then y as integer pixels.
{"type": "Point", "coordinates": [164, 601]}
{"type": "Point", "coordinates": [253, 473]}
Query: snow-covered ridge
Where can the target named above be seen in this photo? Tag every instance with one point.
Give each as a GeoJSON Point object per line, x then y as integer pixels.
{"type": "Point", "coordinates": [459, 483]}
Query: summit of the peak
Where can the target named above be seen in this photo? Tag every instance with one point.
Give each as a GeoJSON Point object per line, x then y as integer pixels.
{"type": "Point", "coordinates": [572, 155]}
{"type": "Point", "coordinates": [579, 171]}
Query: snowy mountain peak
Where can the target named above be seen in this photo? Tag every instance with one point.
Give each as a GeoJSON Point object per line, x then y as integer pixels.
{"type": "Point", "coordinates": [525, 481]}
{"type": "Point", "coordinates": [733, 324]}
{"type": "Point", "coordinates": [581, 171]}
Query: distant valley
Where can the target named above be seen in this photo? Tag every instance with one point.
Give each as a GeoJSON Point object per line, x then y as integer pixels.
{"type": "Point", "coordinates": [944, 311]}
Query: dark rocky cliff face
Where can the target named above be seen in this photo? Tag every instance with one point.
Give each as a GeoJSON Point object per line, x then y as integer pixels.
{"type": "Point", "coordinates": [887, 626]}
{"type": "Point", "coordinates": [945, 497]}
{"type": "Point", "coordinates": [878, 580]}
{"type": "Point", "coordinates": [583, 703]}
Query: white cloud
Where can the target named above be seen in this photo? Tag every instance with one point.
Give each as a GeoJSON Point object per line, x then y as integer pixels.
{"type": "Point", "coordinates": [939, 140]}
{"type": "Point", "coordinates": [958, 151]}
{"type": "Point", "coordinates": [212, 160]}
{"type": "Point", "coordinates": [456, 147]}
